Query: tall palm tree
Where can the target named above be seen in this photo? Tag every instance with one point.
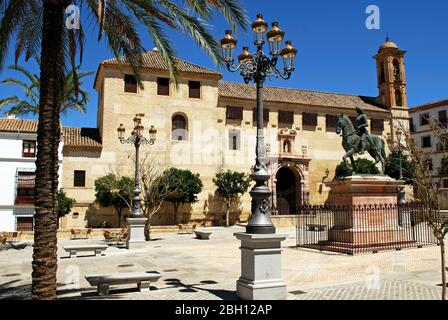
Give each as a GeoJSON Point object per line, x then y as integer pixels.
{"type": "Point", "coordinates": [73, 97]}
{"type": "Point", "coordinates": [40, 29]}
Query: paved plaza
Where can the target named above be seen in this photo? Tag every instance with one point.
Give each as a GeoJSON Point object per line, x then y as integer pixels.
{"type": "Point", "coordinates": [208, 269]}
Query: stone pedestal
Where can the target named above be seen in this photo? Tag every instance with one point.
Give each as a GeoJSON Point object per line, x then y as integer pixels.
{"type": "Point", "coordinates": [369, 215]}
{"type": "Point", "coordinates": [136, 231]}
{"type": "Point", "coordinates": [261, 267]}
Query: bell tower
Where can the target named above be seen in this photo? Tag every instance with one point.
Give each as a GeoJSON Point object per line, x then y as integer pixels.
{"type": "Point", "coordinates": [392, 84]}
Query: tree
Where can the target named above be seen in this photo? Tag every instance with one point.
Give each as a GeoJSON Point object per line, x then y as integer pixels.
{"type": "Point", "coordinates": [72, 98]}
{"type": "Point", "coordinates": [183, 187]}
{"type": "Point", "coordinates": [393, 166]}
{"type": "Point", "coordinates": [65, 204]}
{"type": "Point", "coordinates": [426, 190]}
{"type": "Point", "coordinates": [156, 188]}
{"type": "Point", "coordinates": [231, 184]}
{"type": "Point", "coordinates": [40, 29]}
{"type": "Point", "coordinates": [363, 166]}
{"type": "Point", "coordinates": [114, 191]}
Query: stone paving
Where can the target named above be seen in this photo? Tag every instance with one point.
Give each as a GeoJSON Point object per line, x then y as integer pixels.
{"type": "Point", "coordinates": [204, 270]}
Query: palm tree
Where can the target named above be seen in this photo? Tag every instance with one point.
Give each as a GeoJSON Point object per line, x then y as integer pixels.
{"type": "Point", "coordinates": [40, 29]}
{"type": "Point", "coordinates": [72, 98]}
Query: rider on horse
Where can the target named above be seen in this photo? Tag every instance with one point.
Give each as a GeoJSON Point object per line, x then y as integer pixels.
{"type": "Point", "coordinates": [361, 125]}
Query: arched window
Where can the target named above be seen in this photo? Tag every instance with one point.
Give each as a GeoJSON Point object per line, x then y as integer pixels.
{"type": "Point", "coordinates": [398, 98]}
{"type": "Point", "coordinates": [179, 131]}
{"type": "Point", "coordinates": [397, 71]}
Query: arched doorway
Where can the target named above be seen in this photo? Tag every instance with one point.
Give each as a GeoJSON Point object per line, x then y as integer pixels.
{"type": "Point", "coordinates": [286, 191]}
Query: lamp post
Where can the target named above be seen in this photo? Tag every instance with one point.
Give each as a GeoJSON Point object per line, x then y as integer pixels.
{"type": "Point", "coordinates": [401, 192]}
{"type": "Point", "coordinates": [257, 67]}
{"type": "Point", "coordinates": [261, 277]}
{"type": "Point", "coordinates": [137, 221]}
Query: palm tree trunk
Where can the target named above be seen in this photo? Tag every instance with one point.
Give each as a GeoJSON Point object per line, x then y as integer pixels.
{"type": "Point", "coordinates": [48, 136]}
{"type": "Point", "coordinates": [442, 255]}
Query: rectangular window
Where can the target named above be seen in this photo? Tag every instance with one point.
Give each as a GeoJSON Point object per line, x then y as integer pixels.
{"type": "Point", "coordinates": [426, 142]}
{"type": "Point", "coordinates": [377, 125]}
{"type": "Point", "coordinates": [444, 166]}
{"type": "Point", "coordinates": [130, 83]}
{"type": "Point", "coordinates": [265, 115]}
{"type": "Point", "coordinates": [25, 224]}
{"type": "Point", "coordinates": [424, 119]}
{"type": "Point", "coordinates": [429, 164]}
{"type": "Point", "coordinates": [234, 140]}
{"type": "Point", "coordinates": [310, 119]}
{"type": "Point", "coordinates": [163, 86]}
{"type": "Point", "coordinates": [411, 125]}
{"type": "Point", "coordinates": [445, 184]}
{"type": "Point", "coordinates": [286, 117]}
{"type": "Point", "coordinates": [194, 89]}
{"type": "Point", "coordinates": [442, 117]}
{"type": "Point", "coordinates": [25, 187]}
{"type": "Point", "coordinates": [79, 178]}
{"type": "Point", "coordinates": [234, 113]}
{"type": "Point", "coordinates": [28, 149]}
{"type": "Point", "coordinates": [330, 122]}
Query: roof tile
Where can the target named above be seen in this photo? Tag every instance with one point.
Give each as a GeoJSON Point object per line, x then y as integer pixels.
{"type": "Point", "coordinates": [297, 96]}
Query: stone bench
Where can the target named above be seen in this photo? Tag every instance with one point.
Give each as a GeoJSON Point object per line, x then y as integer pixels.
{"type": "Point", "coordinates": [96, 248]}
{"type": "Point", "coordinates": [202, 235]}
{"type": "Point", "coordinates": [316, 227]}
{"type": "Point", "coordinates": [142, 279]}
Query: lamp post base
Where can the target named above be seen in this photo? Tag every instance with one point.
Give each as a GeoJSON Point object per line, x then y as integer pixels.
{"type": "Point", "coordinates": [136, 233]}
{"type": "Point", "coordinates": [261, 269]}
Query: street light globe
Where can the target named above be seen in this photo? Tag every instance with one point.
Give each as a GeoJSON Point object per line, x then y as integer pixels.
{"type": "Point", "coordinates": [275, 38]}
{"type": "Point", "coordinates": [259, 27]}
{"type": "Point", "coordinates": [228, 44]}
{"type": "Point", "coordinates": [289, 55]}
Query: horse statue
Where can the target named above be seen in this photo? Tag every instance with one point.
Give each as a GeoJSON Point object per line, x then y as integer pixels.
{"type": "Point", "coordinates": [374, 144]}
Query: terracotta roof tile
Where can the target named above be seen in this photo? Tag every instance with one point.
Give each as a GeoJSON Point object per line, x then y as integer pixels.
{"type": "Point", "coordinates": [81, 137]}
{"type": "Point", "coordinates": [297, 96]}
{"type": "Point", "coordinates": [18, 125]}
{"type": "Point", "coordinates": [153, 59]}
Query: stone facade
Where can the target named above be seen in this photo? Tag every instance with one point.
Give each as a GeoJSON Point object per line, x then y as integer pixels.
{"type": "Point", "coordinates": [219, 134]}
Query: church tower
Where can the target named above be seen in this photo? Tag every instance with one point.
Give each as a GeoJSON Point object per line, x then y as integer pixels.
{"type": "Point", "coordinates": [392, 84]}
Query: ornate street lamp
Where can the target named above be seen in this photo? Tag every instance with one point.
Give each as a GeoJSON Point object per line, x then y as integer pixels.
{"type": "Point", "coordinates": [137, 139]}
{"type": "Point", "coordinates": [257, 67]}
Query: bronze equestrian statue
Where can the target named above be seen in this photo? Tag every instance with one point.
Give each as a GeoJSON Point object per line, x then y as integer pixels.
{"type": "Point", "coordinates": [358, 140]}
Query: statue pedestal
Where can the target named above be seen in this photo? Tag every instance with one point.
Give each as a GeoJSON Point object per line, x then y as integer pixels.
{"type": "Point", "coordinates": [369, 215]}
{"type": "Point", "coordinates": [261, 269]}
{"type": "Point", "coordinates": [136, 233]}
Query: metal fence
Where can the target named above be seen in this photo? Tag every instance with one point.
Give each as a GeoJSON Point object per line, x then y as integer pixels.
{"type": "Point", "coordinates": [363, 228]}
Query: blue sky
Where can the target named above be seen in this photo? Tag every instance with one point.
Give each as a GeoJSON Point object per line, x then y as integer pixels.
{"type": "Point", "coordinates": [335, 48]}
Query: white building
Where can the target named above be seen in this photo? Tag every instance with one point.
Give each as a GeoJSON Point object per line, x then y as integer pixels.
{"type": "Point", "coordinates": [17, 167]}
{"type": "Point", "coordinates": [422, 133]}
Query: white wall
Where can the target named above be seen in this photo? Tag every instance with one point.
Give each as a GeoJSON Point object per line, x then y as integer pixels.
{"type": "Point", "coordinates": [11, 161]}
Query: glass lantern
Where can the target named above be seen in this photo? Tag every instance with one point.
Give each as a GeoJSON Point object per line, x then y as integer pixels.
{"type": "Point", "coordinates": [275, 38]}
{"type": "Point", "coordinates": [228, 44]}
{"type": "Point", "coordinates": [289, 55]}
{"type": "Point", "coordinates": [259, 28]}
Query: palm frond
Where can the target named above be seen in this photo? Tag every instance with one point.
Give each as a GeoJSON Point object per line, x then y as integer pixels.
{"type": "Point", "coordinates": [9, 100]}
{"type": "Point", "coordinates": [29, 36]}
{"type": "Point", "coordinates": [197, 29]}
{"type": "Point", "coordinates": [16, 12]}
{"type": "Point", "coordinates": [233, 11]}
{"type": "Point", "coordinates": [22, 108]}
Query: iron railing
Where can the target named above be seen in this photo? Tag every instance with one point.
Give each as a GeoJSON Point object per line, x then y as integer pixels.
{"type": "Point", "coordinates": [363, 228]}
